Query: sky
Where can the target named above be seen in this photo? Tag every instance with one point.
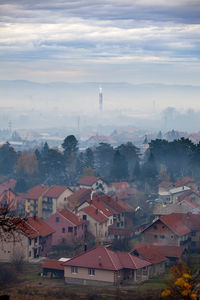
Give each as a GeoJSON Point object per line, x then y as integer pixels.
{"type": "Point", "coordinates": [135, 41]}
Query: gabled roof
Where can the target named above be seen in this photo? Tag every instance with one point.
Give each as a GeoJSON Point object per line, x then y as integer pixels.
{"type": "Point", "coordinates": [183, 181]}
{"type": "Point", "coordinates": [190, 202]}
{"type": "Point", "coordinates": [102, 207]}
{"type": "Point", "coordinates": [165, 184]}
{"type": "Point", "coordinates": [36, 191]}
{"type": "Point", "coordinates": [71, 217]}
{"type": "Point", "coordinates": [55, 191]}
{"type": "Point", "coordinates": [171, 251]}
{"type": "Point", "coordinates": [105, 259]}
{"type": "Point", "coordinates": [80, 196]}
{"type": "Point", "coordinates": [151, 253]}
{"type": "Point", "coordinates": [88, 180]}
{"type": "Point", "coordinates": [166, 251]}
{"type": "Point", "coordinates": [95, 213]}
{"type": "Point", "coordinates": [175, 223]}
{"type": "Point", "coordinates": [53, 264]}
{"type": "Point", "coordinates": [9, 184]}
{"type": "Point", "coordinates": [34, 227]}
{"type": "Point", "coordinates": [116, 204]}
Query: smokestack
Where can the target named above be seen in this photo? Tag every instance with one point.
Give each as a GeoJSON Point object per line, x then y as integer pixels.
{"type": "Point", "coordinates": [100, 99]}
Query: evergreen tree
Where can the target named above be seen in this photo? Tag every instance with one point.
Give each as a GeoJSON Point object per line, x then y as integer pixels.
{"type": "Point", "coordinates": [8, 158]}
{"type": "Point", "coordinates": [119, 170]}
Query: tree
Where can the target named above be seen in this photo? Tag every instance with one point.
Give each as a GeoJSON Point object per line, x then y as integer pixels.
{"type": "Point", "coordinates": [182, 283]}
{"type": "Point", "coordinates": [72, 165]}
{"type": "Point", "coordinates": [119, 169]}
{"type": "Point", "coordinates": [8, 158]}
{"type": "Point", "coordinates": [103, 159]}
{"type": "Point", "coordinates": [130, 153]}
{"type": "Point", "coordinates": [70, 146]}
{"type": "Point", "coordinates": [27, 164]}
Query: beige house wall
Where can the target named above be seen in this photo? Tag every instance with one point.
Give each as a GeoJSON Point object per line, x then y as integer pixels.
{"type": "Point", "coordinates": [61, 202]}
{"type": "Point", "coordinates": [94, 227]}
{"type": "Point", "coordinates": [100, 275]}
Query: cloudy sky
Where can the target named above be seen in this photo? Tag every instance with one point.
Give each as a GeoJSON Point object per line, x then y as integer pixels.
{"type": "Point", "coordinates": [136, 41]}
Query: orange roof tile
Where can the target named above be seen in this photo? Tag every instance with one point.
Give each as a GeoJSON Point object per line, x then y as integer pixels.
{"type": "Point", "coordinates": [151, 253]}
{"type": "Point", "coordinates": [71, 217]}
{"type": "Point", "coordinates": [183, 181]}
{"type": "Point", "coordinates": [36, 191]}
{"type": "Point", "coordinates": [95, 214]}
{"type": "Point", "coordinates": [102, 207]}
{"type": "Point", "coordinates": [106, 259]}
{"type": "Point", "coordinates": [53, 264]}
{"type": "Point", "coordinates": [55, 191]}
{"type": "Point", "coordinates": [88, 180]}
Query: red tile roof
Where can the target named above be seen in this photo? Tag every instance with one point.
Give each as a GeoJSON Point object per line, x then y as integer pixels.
{"type": "Point", "coordinates": [175, 223]}
{"type": "Point", "coordinates": [190, 202]}
{"type": "Point", "coordinates": [102, 207]}
{"type": "Point", "coordinates": [120, 185]}
{"type": "Point", "coordinates": [116, 204]}
{"type": "Point", "coordinates": [105, 259]}
{"type": "Point", "coordinates": [9, 184]}
{"type": "Point", "coordinates": [36, 191]}
{"type": "Point", "coordinates": [151, 253]}
{"type": "Point", "coordinates": [55, 191]}
{"type": "Point", "coordinates": [80, 196]}
{"type": "Point", "coordinates": [171, 251]}
{"type": "Point", "coordinates": [165, 184]}
{"type": "Point", "coordinates": [187, 194]}
{"type": "Point", "coordinates": [88, 180]}
{"type": "Point", "coordinates": [34, 227]}
{"type": "Point", "coordinates": [71, 217]}
{"type": "Point", "coordinates": [53, 264]}
{"type": "Point", "coordinates": [95, 214]}
{"type": "Point", "coordinates": [183, 181]}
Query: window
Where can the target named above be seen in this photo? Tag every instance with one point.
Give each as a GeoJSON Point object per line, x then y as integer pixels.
{"type": "Point", "coordinates": [65, 199]}
{"type": "Point", "coordinates": [155, 236]}
{"type": "Point", "coordinates": [193, 233]}
{"type": "Point", "coordinates": [163, 226]}
{"type": "Point", "coordinates": [74, 270]}
{"type": "Point", "coordinates": [35, 240]}
{"type": "Point", "coordinates": [85, 217]}
{"type": "Point", "coordinates": [162, 236]}
{"type": "Point", "coordinates": [57, 219]}
{"type": "Point", "coordinates": [91, 272]}
{"type": "Point", "coordinates": [70, 229]}
{"type": "Point", "coordinates": [63, 230]}
{"type": "Point", "coordinates": [155, 226]}
{"type": "Point", "coordinates": [29, 253]}
{"type": "Point", "coordinates": [144, 271]}
{"type": "Point", "coordinates": [172, 236]}
{"type": "Point", "coordinates": [29, 240]}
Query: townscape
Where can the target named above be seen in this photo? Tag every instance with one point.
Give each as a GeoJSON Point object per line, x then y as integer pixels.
{"type": "Point", "coordinates": [117, 222]}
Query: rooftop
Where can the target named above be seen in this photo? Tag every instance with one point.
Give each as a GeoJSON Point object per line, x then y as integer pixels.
{"type": "Point", "coordinates": [71, 217]}
{"type": "Point", "coordinates": [88, 180]}
{"type": "Point", "coordinates": [55, 191]}
{"type": "Point", "coordinates": [105, 259]}
{"type": "Point", "coordinates": [36, 191]}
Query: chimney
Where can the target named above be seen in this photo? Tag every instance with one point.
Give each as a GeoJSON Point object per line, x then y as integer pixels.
{"type": "Point", "coordinates": [100, 261]}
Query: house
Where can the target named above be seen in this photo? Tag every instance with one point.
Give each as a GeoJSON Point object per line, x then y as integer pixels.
{"type": "Point", "coordinates": [184, 206]}
{"type": "Point", "coordinates": [150, 253]}
{"type": "Point", "coordinates": [101, 266]}
{"type": "Point", "coordinates": [9, 184]}
{"type": "Point", "coordinates": [55, 198]}
{"type": "Point", "coordinates": [163, 191]}
{"type": "Point", "coordinates": [78, 198]}
{"type": "Point", "coordinates": [92, 182]}
{"type": "Point", "coordinates": [33, 200]}
{"type": "Point", "coordinates": [123, 212]}
{"type": "Point", "coordinates": [97, 221]}
{"type": "Point", "coordinates": [122, 190]}
{"type": "Point", "coordinates": [67, 226]}
{"type": "Point", "coordinates": [186, 181]}
{"type": "Point", "coordinates": [156, 253]}
{"type": "Point", "coordinates": [53, 267]}
{"type": "Point", "coordinates": [193, 194]}
{"type": "Point", "coordinates": [31, 239]}
{"type": "Point", "coordinates": [167, 230]}
{"type": "Point", "coordinates": [14, 202]}
{"type": "Point", "coordinates": [175, 229]}
{"type": "Point", "coordinates": [176, 192]}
